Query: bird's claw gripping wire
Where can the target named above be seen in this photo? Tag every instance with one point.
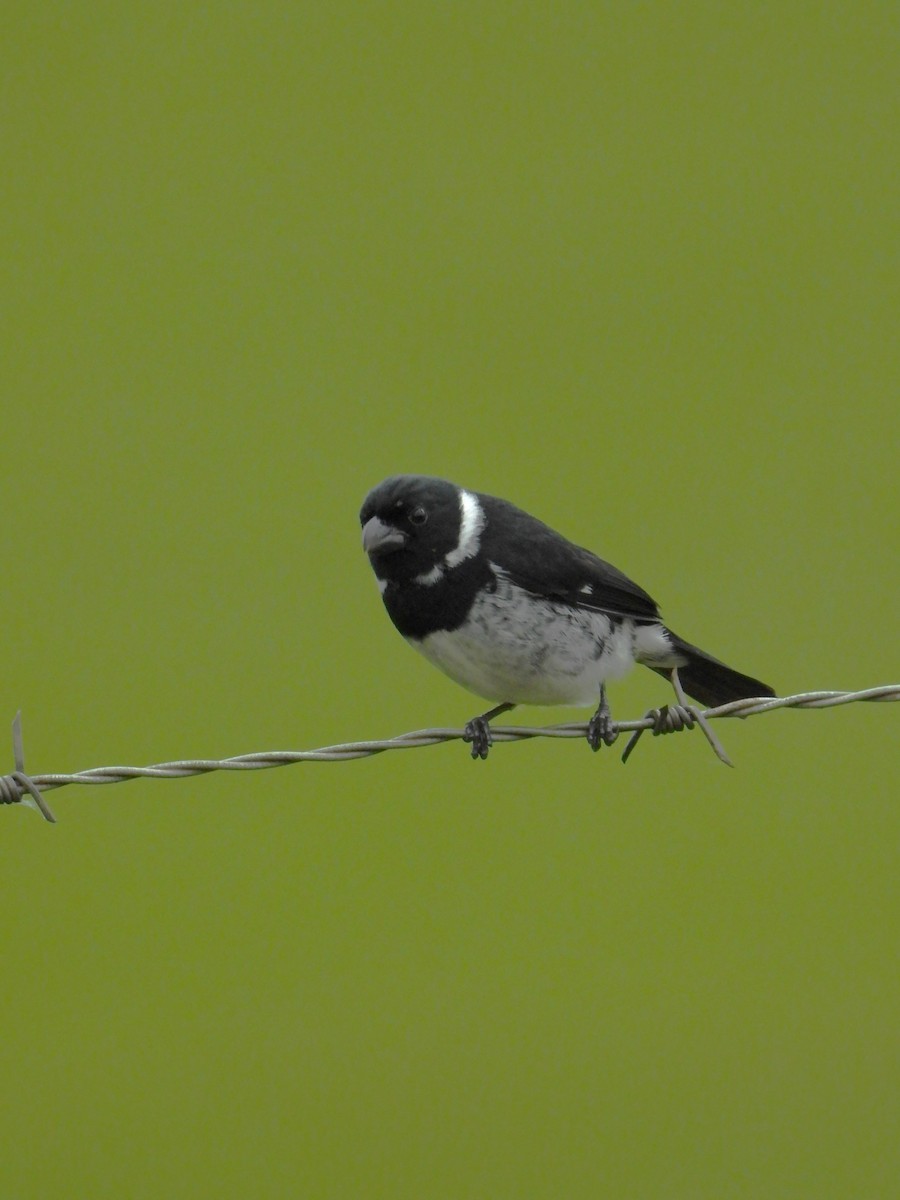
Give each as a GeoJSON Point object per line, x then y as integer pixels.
{"type": "Point", "coordinates": [478, 731]}
{"type": "Point", "coordinates": [601, 730]}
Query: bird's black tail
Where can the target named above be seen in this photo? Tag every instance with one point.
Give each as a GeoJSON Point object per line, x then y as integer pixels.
{"type": "Point", "coordinates": [709, 681]}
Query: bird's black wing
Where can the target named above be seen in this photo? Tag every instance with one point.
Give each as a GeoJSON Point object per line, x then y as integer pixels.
{"type": "Point", "coordinates": [545, 564]}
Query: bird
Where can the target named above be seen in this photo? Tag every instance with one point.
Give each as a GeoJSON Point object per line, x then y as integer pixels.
{"type": "Point", "coordinates": [517, 614]}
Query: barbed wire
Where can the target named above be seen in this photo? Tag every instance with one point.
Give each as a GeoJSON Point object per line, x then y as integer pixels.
{"type": "Point", "coordinates": [18, 787]}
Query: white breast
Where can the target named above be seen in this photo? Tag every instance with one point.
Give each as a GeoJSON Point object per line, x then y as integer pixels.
{"type": "Point", "coordinates": [517, 648]}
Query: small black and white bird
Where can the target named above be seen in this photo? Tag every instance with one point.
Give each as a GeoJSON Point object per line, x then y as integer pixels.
{"type": "Point", "coordinates": [517, 614]}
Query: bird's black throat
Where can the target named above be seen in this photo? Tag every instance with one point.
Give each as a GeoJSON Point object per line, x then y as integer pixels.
{"type": "Point", "coordinates": [418, 609]}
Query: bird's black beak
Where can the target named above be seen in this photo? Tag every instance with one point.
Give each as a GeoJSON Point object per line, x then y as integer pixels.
{"type": "Point", "coordinates": [379, 538]}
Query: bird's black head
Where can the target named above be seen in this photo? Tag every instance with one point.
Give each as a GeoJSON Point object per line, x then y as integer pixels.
{"type": "Point", "coordinates": [415, 525]}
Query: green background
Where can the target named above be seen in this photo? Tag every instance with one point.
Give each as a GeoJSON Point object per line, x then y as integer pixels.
{"type": "Point", "coordinates": [633, 266]}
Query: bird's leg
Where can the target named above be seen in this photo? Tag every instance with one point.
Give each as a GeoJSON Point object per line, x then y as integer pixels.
{"type": "Point", "coordinates": [672, 718]}
{"type": "Point", "coordinates": [601, 728]}
{"type": "Point", "coordinates": [478, 731]}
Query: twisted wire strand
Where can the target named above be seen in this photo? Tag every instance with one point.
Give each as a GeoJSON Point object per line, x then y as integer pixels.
{"type": "Point", "coordinates": [19, 787]}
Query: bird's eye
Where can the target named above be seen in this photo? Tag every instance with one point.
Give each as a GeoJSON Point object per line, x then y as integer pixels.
{"type": "Point", "coordinates": [418, 516]}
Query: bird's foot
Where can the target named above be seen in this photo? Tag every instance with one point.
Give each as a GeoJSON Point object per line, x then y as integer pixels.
{"type": "Point", "coordinates": [601, 730]}
{"type": "Point", "coordinates": [478, 730]}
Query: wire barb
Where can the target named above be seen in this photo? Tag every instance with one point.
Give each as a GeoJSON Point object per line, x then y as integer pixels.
{"type": "Point", "coordinates": [19, 787]}
{"type": "Point", "coordinates": [14, 787]}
